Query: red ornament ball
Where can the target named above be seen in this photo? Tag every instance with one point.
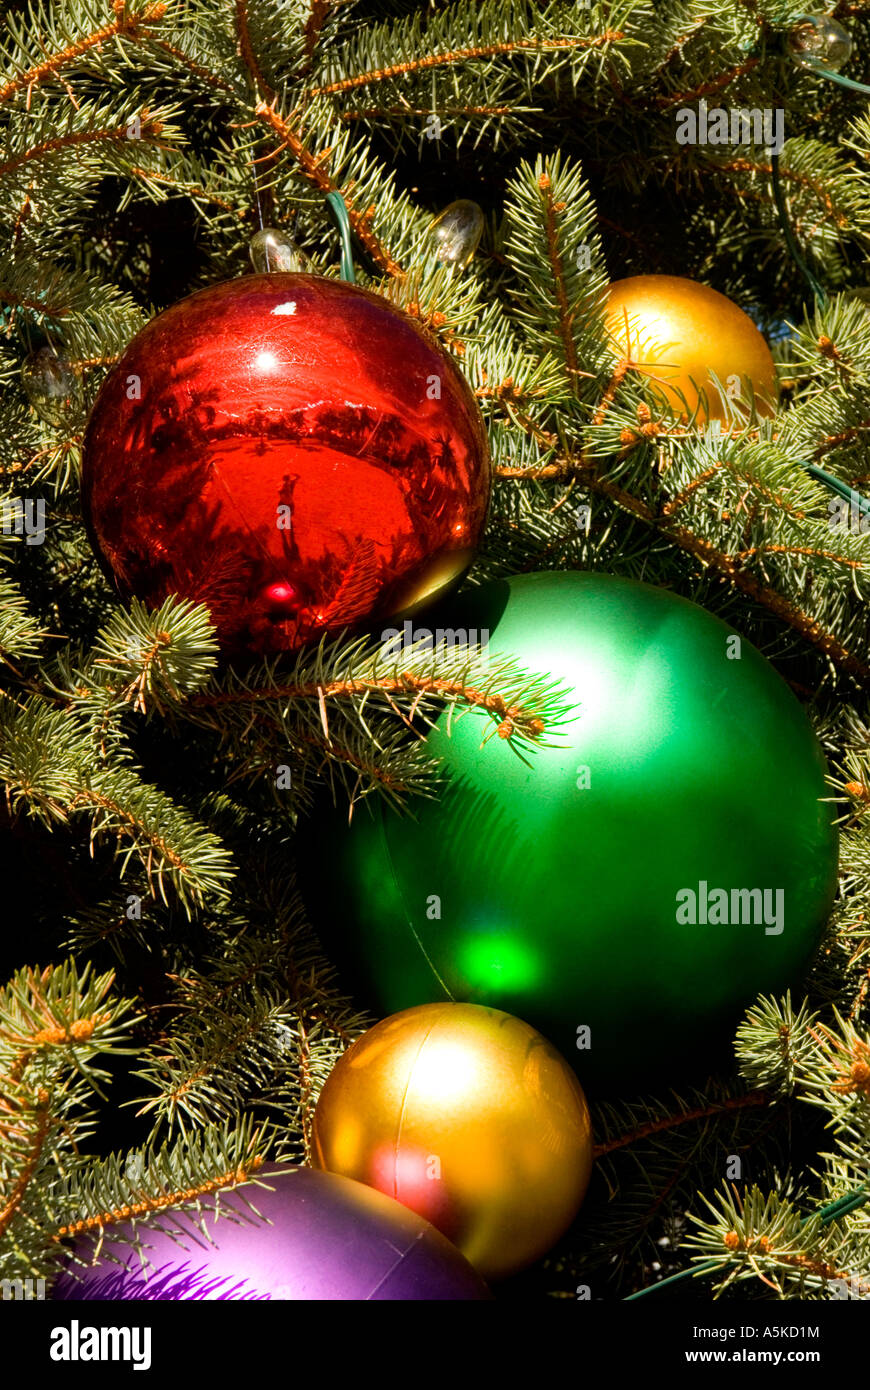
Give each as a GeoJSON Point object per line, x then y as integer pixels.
{"type": "Point", "coordinates": [292, 451]}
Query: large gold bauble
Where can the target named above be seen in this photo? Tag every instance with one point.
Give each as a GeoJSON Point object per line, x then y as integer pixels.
{"type": "Point", "coordinates": [471, 1118]}
{"type": "Point", "coordinates": [681, 335]}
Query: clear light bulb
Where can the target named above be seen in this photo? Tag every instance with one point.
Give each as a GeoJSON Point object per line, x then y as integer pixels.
{"type": "Point", "coordinates": [51, 386]}
{"type": "Point", "coordinates": [271, 249]}
{"type": "Point", "coordinates": [457, 232]}
{"type": "Point", "coordinates": [818, 41]}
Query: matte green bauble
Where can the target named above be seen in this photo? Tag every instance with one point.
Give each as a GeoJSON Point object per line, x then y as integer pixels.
{"type": "Point", "coordinates": [644, 881]}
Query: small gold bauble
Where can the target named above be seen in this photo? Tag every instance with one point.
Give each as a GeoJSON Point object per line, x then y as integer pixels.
{"type": "Point", "coordinates": [682, 335]}
{"type": "Point", "coordinates": [469, 1117]}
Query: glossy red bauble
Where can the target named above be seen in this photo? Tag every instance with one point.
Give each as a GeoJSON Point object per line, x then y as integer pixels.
{"type": "Point", "coordinates": [292, 451]}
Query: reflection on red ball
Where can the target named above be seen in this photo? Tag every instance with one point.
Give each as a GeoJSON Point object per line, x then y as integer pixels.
{"type": "Point", "coordinates": [292, 451]}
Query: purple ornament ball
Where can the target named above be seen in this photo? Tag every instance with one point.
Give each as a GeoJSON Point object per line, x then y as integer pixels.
{"type": "Point", "coordinates": [327, 1238]}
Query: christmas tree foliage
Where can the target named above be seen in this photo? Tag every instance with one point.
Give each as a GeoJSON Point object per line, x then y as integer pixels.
{"type": "Point", "coordinates": [170, 1015]}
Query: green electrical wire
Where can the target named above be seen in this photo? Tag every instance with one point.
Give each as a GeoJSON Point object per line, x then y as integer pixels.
{"type": "Point", "coordinates": [339, 211]}
{"type": "Point", "coordinates": [840, 80]}
{"type": "Point", "coordinates": [785, 226]}
{"type": "Point", "coordinates": [842, 489]}
{"type": "Point", "coordinates": [843, 1205]}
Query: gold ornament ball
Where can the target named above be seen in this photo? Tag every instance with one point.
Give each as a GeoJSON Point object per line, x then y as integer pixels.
{"type": "Point", "coordinates": [681, 334]}
{"type": "Point", "coordinates": [469, 1117]}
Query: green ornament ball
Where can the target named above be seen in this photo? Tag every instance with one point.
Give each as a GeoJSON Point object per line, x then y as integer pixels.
{"type": "Point", "coordinates": [630, 891]}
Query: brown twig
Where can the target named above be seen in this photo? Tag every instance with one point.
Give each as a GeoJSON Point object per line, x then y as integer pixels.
{"type": "Point", "coordinates": [509, 715]}
{"type": "Point", "coordinates": [703, 1112]}
{"type": "Point", "coordinates": [211, 78]}
{"type": "Point", "coordinates": [799, 550]}
{"type": "Point", "coordinates": [833, 441]}
{"type": "Point", "coordinates": [374, 113]}
{"type": "Point", "coordinates": [313, 168]}
{"type": "Point", "coordinates": [88, 796]}
{"type": "Point", "coordinates": [317, 15]}
{"type": "Point", "coordinates": [565, 320]}
{"type": "Point", "coordinates": [76, 139]}
{"type": "Point", "coordinates": [706, 89]}
{"type": "Point", "coordinates": [16, 1196]}
{"type": "Point", "coordinates": [748, 166]}
{"type": "Point", "coordinates": [249, 58]}
{"type": "Point", "coordinates": [461, 55]}
{"type": "Point", "coordinates": [226, 1181]}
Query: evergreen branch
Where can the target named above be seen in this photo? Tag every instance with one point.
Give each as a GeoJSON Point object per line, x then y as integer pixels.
{"type": "Point", "coordinates": [235, 1026]}
{"type": "Point", "coordinates": [366, 711]}
{"type": "Point", "coordinates": [777, 499]}
{"type": "Point", "coordinates": [841, 1065]}
{"type": "Point", "coordinates": [258, 81]}
{"type": "Point", "coordinates": [565, 316]}
{"type": "Point", "coordinates": [617, 377]}
{"type": "Point", "coordinates": [770, 549]}
{"type": "Point", "coordinates": [306, 1086]}
{"type": "Point", "coordinates": [728, 566]}
{"type": "Point", "coordinates": [375, 113]}
{"type": "Point", "coordinates": [20, 633]}
{"type": "Point", "coordinates": [383, 777]}
{"type": "Point", "coordinates": [37, 306]}
{"type": "Point", "coordinates": [549, 217]}
{"type": "Point", "coordinates": [513, 718]}
{"type": "Point", "coordinates": [77, 139]}
{"type": "Point", "coordinates": [749, 166]}
{"type": "Point", "coordinates": [543, 472]}
{"type": "Point", "coordinates": [765, 594]}
{"type": "Point", "coordinates": [318, 12]}
{"type": "Point", "coordinates": [125, 25]}
{"type": "Point", "coordinates": [836, 441]}
{"type": "Point", "coordinates": [312, 167]}
{"type": "Point", "coordinates": [463, 55]}
{"type": "Point", "coordinates": [763, 1235]}
{"type": "Point", "coordinates": [52, 1023]}
{"type": "Point", "coordinates": [212, 79]}
{"type": "Point", "coordinates": [655, 1163]}
{"type": "Point", "coordinates": [775, 1044]}
{"type": "Point", "coordinates": [48, 763]}
{"type": "Point", "coordinates": [822, 1269]}
{"type": "Point", "coordinates": [56, 1008]}
{"type": "Point", "coordinates": [144, 1204]}
{"type": "Point", "coordinates": [506, 391]}
{"type": "Point", "coordinates": [707, 89]}
{"type": "Point", "coordinates": [169, 843]}
{"type": "Point", "coordinates": [129, 821]}
{"type": "Point", "coordinates": [40, 1130]}
{"type": "Point", "coordinates": [148, 658]}
{"type": "Point", "coordinates": [241, 1018]}
{"type": "Point", "coordinates": [680, 43]}
{"type": "Point", "coordinates": [240, 1053]}
{"type": "Point", "coordinates": [730, 1103]}
{"type": "Point", "coordinates": [192, 190]}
